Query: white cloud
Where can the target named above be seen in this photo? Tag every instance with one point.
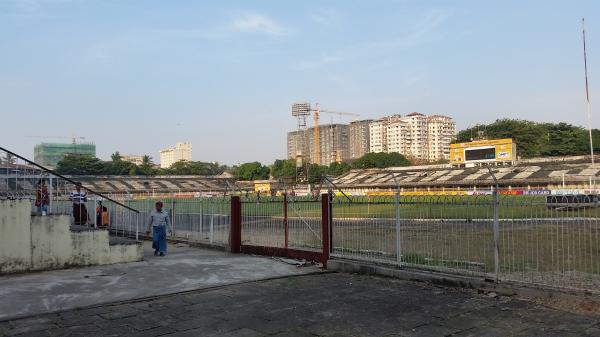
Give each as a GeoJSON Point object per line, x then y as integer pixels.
{"type": "Point", "coordinates": [257, 23]}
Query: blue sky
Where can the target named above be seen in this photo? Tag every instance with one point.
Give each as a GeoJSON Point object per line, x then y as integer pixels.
{"type": "Point", "coordinates": [136, 76]}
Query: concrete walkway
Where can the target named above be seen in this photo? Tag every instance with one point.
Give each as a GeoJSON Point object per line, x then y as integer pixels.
{"type": "Point", "coordinates": [326, 304]}
{"type": "Point", "coordinates": [183, 269]}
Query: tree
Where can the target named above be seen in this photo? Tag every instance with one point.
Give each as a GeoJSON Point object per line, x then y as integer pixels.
{"type": "Point", "coordinates": [78, 164]}
{"type": "Point", "coordinates": [9, 159]}
{"type": "Point", "coordinates": [337, 169]}
{"type": "Point", "coordinates": [116, 157]}
{"type": "Point", "coordinates": [537, 139]}
{"type": "Point", "coordinates": [381, 160]}
{"type": "Point", "coordinates": [251, 171]}
{"type": "Point", "coordinates": [316, 172]}
{"type": "Point", "coordinates": [282, 169]}
{"type": "Point", "coordinates": [117, 166]}
{"type": "Point", "coordinates": [147, 166]}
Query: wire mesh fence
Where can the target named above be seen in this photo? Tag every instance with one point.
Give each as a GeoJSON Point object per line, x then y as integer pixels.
{"type": "Point", "coordinates": [282, 222]}
{"type": "Point", "coordinates": [204, 220]}
{"type": "Point", "coordinates": [551, 241]}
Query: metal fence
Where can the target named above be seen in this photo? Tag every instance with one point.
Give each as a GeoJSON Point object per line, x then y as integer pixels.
{"type": "Point", "coordinates": [282, 222]}
{"type": "Point", "coordinates": [515, 238]}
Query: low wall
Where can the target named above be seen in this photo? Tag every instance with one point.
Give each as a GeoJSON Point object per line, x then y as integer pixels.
{"type": "Point", "coordinates": [15, 236]}
{"type": "Point", "coordinates": [47, 242]}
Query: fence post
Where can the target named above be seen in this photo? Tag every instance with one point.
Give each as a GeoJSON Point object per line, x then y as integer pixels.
{"type": "Point", "coordinates": [235, 233]}
{"type": "Point", "coordinates": [326, 225]}
{"type": "Point", "coordinates": [398, 234]}
{"type": "Point", "coordinates": [173, 217]}
{"type": "Point", "coordinates": [285, 220]}
{"type": "Point", "coordinates": [496, 236]}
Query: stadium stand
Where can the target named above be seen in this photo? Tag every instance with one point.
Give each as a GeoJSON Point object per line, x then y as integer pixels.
{"type": "Point", "coordinates": [544, 173]}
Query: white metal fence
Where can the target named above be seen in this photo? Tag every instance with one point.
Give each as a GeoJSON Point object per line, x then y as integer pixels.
{"type": "Point", "coordinates": [513, 238]}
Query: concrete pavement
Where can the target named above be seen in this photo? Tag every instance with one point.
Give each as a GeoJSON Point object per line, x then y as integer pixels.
{"type": "Point", "coordinates": [183, 269]}
{"type": "Point", "coordinates": [326, 304]}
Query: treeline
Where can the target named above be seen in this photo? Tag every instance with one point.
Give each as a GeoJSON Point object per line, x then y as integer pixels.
{"type": "Point", "coordinates": [537, 139]}
{"type": "Point", "coordinates": [286, 168]}
{"type": "Point", "coordinates": [74, 164]}
{"type": "Point", "coordinates": [280, 169]}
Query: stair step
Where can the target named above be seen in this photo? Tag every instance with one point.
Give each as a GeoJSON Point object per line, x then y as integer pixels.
{"type": "Point", "coordinates": [80, 228]}
{"type": "Point", "coordinates": [114, 240]}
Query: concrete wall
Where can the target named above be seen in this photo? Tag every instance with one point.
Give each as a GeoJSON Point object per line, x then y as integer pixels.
{"type": "Point", "coordinates": [15, 236]}
{"type": "Point", "coordinates": [47, 242]}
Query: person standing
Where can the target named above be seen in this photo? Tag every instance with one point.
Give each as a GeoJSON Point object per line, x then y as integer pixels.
{"type": "Point", "coordinates": [79, 210]}
{"type": "Point", "coordinates": [159, 223]}
{"type": "Point", "coordinates": [42, 198]}
{"type": "Point", "coordinates": [102, 215]}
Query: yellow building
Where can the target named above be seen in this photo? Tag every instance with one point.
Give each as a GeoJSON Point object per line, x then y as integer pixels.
{"type": "Point", "coordinates": [494, 152]}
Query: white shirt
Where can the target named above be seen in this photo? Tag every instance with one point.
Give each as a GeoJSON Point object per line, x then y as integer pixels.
{"type": "Point", "coordinates": [159, 218]}
{"type": "Point", "coordinates": [78, 197]}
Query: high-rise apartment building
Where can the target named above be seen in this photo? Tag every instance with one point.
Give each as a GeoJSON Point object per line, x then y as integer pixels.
{"type": "Point", "coordinates": [181, 151]}
{"type": "Point", "coordinates": [415, 135]}
{"type": "Point", "coordinates": [297, 144]}
{"type": "Point", "coordinates": [333, 144]}
{"type": "Point", "coordinates": [358, 138]}
{"type": "Point", "coordinates": [441, 132]}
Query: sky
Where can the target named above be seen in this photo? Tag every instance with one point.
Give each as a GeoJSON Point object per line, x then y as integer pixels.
{"type": "Point", "coordinates": [138, 76]}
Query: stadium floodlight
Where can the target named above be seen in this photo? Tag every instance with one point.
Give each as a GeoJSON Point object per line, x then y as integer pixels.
{"type": "Point", "coordinates": [301, 109]}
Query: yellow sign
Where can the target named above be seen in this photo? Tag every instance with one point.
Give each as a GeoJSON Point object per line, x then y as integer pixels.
{"type": "Point", "coordinates": [262, 187]}
{"type": "Point", "coordinates": [418, 193]}
{"type": "Point", "coordinates": [483, 150]}
{"type": "Point", "coordinates": [433, 193]}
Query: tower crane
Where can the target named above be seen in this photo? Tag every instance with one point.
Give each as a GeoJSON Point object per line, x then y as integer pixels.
{"type": "Point", "coordinates": [317, 111]}
{"type": "Point", "coordinates": [73, 138]}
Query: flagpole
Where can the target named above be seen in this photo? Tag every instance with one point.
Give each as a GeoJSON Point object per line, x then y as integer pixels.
{"type": "Point", "coordinates": [587, 98]}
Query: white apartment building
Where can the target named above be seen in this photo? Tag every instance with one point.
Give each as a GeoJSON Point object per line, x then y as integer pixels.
{"type": "Point", "coordinates": [181, 151]}
{"type": "Point", "coordinates": [441, 132]}
{"type": "Point", "coordinates": [397, 133]}
{"type": "Point", "coordinates": [377, 136]}
{"type": "Point", "coordinates": [415, 135]}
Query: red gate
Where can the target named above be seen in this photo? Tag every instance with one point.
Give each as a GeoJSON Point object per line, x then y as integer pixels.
{"type": "Point", "coordinates": [295, 228]}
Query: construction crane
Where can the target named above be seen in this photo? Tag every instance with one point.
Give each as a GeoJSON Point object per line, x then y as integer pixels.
{"type": "Point", "coordinates": [73, 138]}
{"type": "Point", "coordinates": [317, 111]}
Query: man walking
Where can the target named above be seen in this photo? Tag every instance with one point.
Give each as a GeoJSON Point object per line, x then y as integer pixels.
{"type": "Point", "coordinates": [159, 222]}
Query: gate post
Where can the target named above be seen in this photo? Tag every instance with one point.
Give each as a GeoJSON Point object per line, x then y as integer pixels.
{"type": "Point", "coordinates": [235, 230]}
{"type": "Point", "coordinates": [285, 220]}
{"type": "Point", "coordinates": [496, 229]}
{"type": "Point", "coordinates": [325, 226]}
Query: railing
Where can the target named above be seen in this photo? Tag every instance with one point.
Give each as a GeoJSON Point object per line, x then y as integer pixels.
{"type": "Point", "coordinates": [49, 193]}
{"type": "Point", "coordinates": [511, 238]}
{"type": "Point", "coordinates": [201, 220]}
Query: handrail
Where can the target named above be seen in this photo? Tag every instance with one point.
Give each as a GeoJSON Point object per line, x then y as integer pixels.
{"type": "Point", "coordinates": [68, 179]}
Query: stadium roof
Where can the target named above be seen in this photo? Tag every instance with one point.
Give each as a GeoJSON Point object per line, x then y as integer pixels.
{"type": "Point", "coordinates": [530, 172]}
{"type": "Point", "coordinates": [137, 184]}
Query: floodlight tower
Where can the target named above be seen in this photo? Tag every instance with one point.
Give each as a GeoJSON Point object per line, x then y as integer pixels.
{"type": "Point", "coordinates": [301, 111]}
